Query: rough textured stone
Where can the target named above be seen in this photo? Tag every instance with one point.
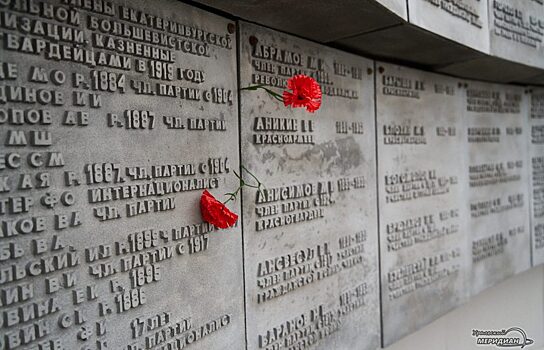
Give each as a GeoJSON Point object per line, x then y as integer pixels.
{"type": "Point", "coordinates": [496, 121]}
{"type": "Point", "coordinates": [310, 239]}
{"type": "Point", "coordinates": [424, 252]}
{"type": "Point", "coordinates": [536, 166]}
{"type": "Point", "coordinates": [462, 21]}
{"type": "Point", "coordinates": [107, 145]}
{"type": "Point", "coordinates": [517, 30]}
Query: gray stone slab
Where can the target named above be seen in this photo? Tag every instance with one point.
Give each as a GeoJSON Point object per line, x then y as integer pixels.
{"type": "Point", "coordinates": [320, 20]}
{"type": "Point", "coordinates": [490, 68]}
{"type": "Point", "coordinates": [424, 249]}
{"type": "Point", "coordinates": [498, 182]}
{"type": "Point", "coordinates": [397, 6]}
{"type": "Point", "coordinates": [536, 173]}
{"type": "Point", "coordinates": [463, 21]}
{"type": "Point", "coordinates": [409, 44]}
{"type": "Point", "coordinates": [110, 131]}
{"type": "Point", "coordinates": [517, 30]}
{"type": "Point", "coordinates": [310, 240]}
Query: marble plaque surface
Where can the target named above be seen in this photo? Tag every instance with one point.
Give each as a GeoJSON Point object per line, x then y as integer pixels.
{"type": "Point", "coordinates": [310, 237]}
{"type": "Point", "coordinates": [517, 30]}
{"type": "Point", "coordinates": [536, 174]}
{"type": "Point", "coordinates": [424, 255]}
{"type": "Point", "coordinates": [464, 21]}
{"type": "Point", "coordinates": [114, 117]}
{"type": "Point", "coordinates": [498, 199]}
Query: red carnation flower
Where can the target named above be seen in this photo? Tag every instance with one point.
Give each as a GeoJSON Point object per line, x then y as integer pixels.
{"type": "Point", "coordinates": [215, 212]}
{"type": "Point", "coordinates": [306, 92]}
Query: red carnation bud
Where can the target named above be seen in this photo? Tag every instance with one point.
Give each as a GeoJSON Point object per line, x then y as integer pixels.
{"type": "Point", "coordinates": [306, 92]}
{"type": "Point", "coordinates": [215, 212]}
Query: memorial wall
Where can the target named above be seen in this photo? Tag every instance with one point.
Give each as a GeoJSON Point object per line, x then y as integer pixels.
{"type": "Point", "coordinates": [361, 219]}
{"type": "Point", "coordinates": [421, 177]}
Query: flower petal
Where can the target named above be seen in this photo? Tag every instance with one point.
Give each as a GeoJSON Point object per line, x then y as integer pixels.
{"type": "Point", "coordinates": [215, 212]}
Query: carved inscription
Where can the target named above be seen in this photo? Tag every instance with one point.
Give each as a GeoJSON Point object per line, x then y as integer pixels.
{"type": "Point", "coordinates": [536, 149]}
{"type": "Point", "coordinates": [517, 30]}
{"type": "Point", "coordinates": [109, 116]}
{"type": "Point", "coordinates": [310, 235]}
{"type": "Point", "coordinates": [497, 171]}
{"type": "Point", "coordinates": [460, 9]}
{"type": "Point", "coordinates": [464, 21]}
{"type": "Point", "coordinates": [423, 235]}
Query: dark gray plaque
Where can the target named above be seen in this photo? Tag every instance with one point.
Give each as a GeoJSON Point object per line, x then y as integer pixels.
{"type": "Point", "coordinates": [464, 21]}
{"type": "Point", "coordinates": [536, 173]}
{"type": "Point", "coordinates": [421, 159]}
{"type": "Point", "coordinates": [310, 239]}
{"type": "Point", "coordinates": [517, 30]}
{"type": "Point", "coordinates": [497, 169]}
{"type": "Point", "coordinates": [114, 117]}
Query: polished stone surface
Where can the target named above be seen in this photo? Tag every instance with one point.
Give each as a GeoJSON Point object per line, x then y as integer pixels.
{"type": "Point", "coordinates": [536, 173]}
{"type": "Point", "coordinates": [498, 172]}
{"type": "Point", "coordinates": [310, 238]}
{"type": "Point", "coordinates": [517, 30]}
{"type": "Point", "coordinates": [108, 141]}
{"type": "Point", "coordinates": [463, 21]}
{"type": "Point", "coordinates": [424, 252]}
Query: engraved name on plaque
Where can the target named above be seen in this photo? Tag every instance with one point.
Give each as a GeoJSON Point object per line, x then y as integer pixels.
{"type": "Point", "coordinates": [517, 30]}
{"type": "Point", "coordinates": [536, 173]}
{"type": "Point", "coordinates": [497, 135]}
{"type": "Point", "coordinates": [464, 21]}
{"type": "Point", "coordinates": [114, 117]}
{"type": "Point", "coordinates": [310, 236]}
{"type": "Point", "coordinates": [423, 236]}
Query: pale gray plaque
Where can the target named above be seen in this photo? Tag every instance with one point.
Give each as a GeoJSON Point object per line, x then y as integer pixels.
{"type": "Point", "coordinates": [536, 174]}
{"type": "Point", "coordinates": [517, 30]}
{"type": "Point", "coordinates": [396, 6]}
{"type": "Point", "coordinates": [310, 239]}
{"type": "Point", "coordinates": [498, 199]}
{"type": "Point", "coordinates": [423, 235]}
{"type": "Point", "coordinates": [114, 117]}
{"type": "Point", "coordinates": [464, 21]}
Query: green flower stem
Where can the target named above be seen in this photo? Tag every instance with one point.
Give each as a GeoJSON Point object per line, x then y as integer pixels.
{"type": "Point", "coordinates": [233, 195]}
{"type": "Point", "coordinates": [274, 94]}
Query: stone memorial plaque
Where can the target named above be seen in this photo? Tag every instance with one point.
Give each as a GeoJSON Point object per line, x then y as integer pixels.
{"type": "Point", "coordinates": [517, 30]}
{"type": "Point", "coordinates": [536, 174]}
{"type": "Point", "coordinates": [464, 21]}
{"type": "Point", "coordinates": [498, 180]}
{"type": "Point", "coordinates": [423, 236]}
{"type": "Point", "coordinates": [396, 6]}
{"type": "Point", "coordinates": [114, 117]}
{"type": "Point", "coordinates": [310, 236]}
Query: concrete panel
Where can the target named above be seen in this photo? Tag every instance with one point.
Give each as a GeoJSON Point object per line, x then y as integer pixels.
{"type": "Point", "coordinates": [310, 238]}
{"type": "Point", "coordinates": [424, 249]}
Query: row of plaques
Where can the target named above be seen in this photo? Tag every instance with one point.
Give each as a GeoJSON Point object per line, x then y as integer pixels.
{"type": "Point", "coordinates": [509, 29]}
{"type": "Point", "coordinates": [115, 116]}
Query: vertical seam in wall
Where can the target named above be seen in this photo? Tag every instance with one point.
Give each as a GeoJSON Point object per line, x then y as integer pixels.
{"type": "Point", "coordinates": [407, 12]}
{"type": "Point", "coordinates": [378, 201]}
{"type": "Point", "coordinates": [239, 116]}
{"type": "Point", "coordinates": [526, 121]}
